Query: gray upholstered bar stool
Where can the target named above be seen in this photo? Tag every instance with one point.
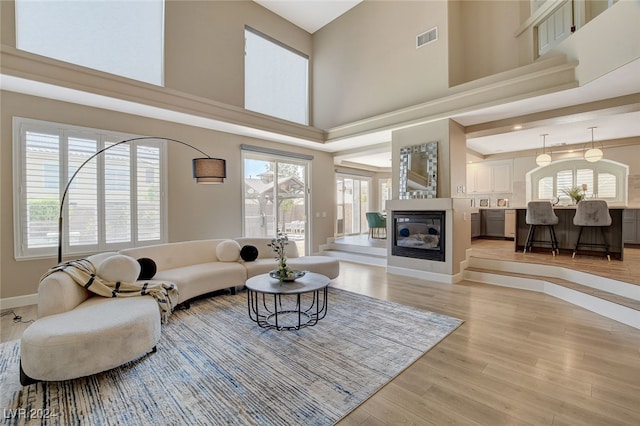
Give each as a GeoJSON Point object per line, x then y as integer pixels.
{"type": "Point", "coordinates": [540, 213]}
{"type": "Point", "coordinates": [594, 213]}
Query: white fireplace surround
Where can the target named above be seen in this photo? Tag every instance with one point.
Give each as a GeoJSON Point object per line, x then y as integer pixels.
{"type": "Point", "coordinates": [449, 271]}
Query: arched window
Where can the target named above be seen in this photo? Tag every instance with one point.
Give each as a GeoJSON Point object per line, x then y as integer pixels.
{"type": "Point", "coordinates": [605, 179]}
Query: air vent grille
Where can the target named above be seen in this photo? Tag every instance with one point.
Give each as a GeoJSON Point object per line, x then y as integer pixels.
{"type": "Point", "coordinates": [427, 37]}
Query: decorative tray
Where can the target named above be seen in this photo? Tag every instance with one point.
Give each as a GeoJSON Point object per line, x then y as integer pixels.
{"type": "Point", "coordinates": [294, 276]}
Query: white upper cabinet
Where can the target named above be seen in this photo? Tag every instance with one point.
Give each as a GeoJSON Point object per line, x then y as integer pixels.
{"type": "Point", "coordinates": [490, 176]}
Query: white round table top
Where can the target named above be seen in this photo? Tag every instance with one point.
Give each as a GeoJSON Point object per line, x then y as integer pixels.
{"type": "Point", "coordinates": [309, 282]}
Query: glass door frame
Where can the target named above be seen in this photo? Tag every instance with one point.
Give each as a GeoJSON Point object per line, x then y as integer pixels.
{"type": "Point", "coordinates": [278, 217]}
{"type": "Point", "coordinates": [363, 206]}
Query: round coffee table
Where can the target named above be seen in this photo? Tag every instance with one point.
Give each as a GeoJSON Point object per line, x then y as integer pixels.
{"type": "Point", "coordinates": [288, 305]}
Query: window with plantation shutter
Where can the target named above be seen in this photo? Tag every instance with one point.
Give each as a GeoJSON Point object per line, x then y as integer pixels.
{"type": "Point", "coordinates": [584, 180]}
{"type": "Point", "coordinates": [607, 185]}
{"type": "Point", "coordinates": [148, 181]}
{"type": "Point", "coordinates": [604, 179]}
{"type": "Point", "coordinates": [564, 179]}
{"type": "Point", "coordinates": [545, 188]}
{"type": "Point", "coordinates": [117, 193]}
{"type": "Point", "coordinates": [82, 199]}
{"type": "Point", "coordinates": [115, 200]}
{"type": "Point", "coordinates": [41, 192]}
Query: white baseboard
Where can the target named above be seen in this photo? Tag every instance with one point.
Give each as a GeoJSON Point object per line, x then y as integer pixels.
{"type": "Point", "coordinates": [18, 301]}
{"type": "Point", "coordinates": [424, 275]}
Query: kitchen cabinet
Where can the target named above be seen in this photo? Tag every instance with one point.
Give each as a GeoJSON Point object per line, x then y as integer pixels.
{"type": "Point", "coordinates": [631, 226]}
{"type": "Point", "coordinates": [510, 223]}
{"type": "Point", "coordinates": [492, 222]}
{"type": "Point", "coordinates": [476, 229]}
{"type": "Point", "coordinates": [567, 233]}
{"type": "Point", "coordinates": [501, 178]}
{"type": "Point", "coordinates": [490, 176]}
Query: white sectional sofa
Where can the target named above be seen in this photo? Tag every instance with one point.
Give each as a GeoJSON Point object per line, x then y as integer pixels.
{"type": "Point", "coordinates": [78, 333]}
{"type": "Point", "coordinates": [265, 262]}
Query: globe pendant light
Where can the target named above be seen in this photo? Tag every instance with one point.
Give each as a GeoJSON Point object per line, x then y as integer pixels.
{"type": "Point", "coordinates": [593, 154]}
{"type": "Point", "coordinates": [543, 159]}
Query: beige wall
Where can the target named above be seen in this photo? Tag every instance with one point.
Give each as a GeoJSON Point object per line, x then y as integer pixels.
{"type": "Point", "coordinates": [482, 39]}
{"type": "Point", "coordinates": [195, 211]}
{"type": "Point", "coordinates": [438, 131]}
{"type": "Point", "coordinates": [366, 62]}
{"type": "Point", "coordinates": [204, 45]}
{"type": "Point", "coordinates": [451, 173]}
{"type": "Point", "coordinates": [204, 56]}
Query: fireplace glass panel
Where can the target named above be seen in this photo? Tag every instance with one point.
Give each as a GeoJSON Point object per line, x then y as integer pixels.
{"type": "Point", "coordinates": [419, 235]}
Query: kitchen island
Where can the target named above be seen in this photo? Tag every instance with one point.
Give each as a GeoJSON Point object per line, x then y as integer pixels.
{"type": "Point", "coordinates": [567, 233]}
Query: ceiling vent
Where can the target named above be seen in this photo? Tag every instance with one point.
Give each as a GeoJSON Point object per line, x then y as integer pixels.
{"type": "Point", "coordinates": [427, 37]}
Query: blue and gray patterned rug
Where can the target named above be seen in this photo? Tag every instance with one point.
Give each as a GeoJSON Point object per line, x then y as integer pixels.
{"type": "Point", "coordinates": [215, 366]}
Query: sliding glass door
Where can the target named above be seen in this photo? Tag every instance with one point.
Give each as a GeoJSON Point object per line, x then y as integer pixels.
{"type": "Point", "coordinates": [275, 197]}
{"type": "Point", "coordinates": [352, 204]}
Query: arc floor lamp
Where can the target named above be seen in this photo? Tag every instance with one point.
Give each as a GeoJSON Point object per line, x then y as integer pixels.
{"type": "Point", "coordinates": [206, 170]}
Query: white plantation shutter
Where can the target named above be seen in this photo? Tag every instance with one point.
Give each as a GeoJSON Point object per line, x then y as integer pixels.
{"type": "Point", "coordinates": [82, 198]}
{"type": "Point", "coordinates": [585, 177]}
{"type": "Point", "coordinates": [564, 180]}
{"type": "Point", "coordinates": [148, 180]}
{"type": "Point", "coordinates": [41, 193]}
{"type": "Point", "coordinates": [545, 188]}
{"type": "Point", "coordinates": [604, 179]}
{"type": "Point", "coordinates": [123, 183]}
{"type": "Point", "coordinates": [117, 193]}
{"type": "Point", "coordinates": [607, 185]}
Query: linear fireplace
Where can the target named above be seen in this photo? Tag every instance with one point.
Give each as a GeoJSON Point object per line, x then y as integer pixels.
{"type": "Point", "coordinates": [419, 234]}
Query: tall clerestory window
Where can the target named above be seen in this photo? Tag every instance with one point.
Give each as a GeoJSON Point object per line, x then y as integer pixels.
{"type": "Point", "coordinates": [125, 38]}
{"type": "Point", "coordinates": [275, 78]}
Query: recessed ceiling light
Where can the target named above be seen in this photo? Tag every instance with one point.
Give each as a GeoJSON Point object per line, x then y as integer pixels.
{"type": "Point", "coordinates": [517, 127]}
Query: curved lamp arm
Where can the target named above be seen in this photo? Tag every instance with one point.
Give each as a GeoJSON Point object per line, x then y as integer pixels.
{"type": "Point", "coordinates": [205, 170]}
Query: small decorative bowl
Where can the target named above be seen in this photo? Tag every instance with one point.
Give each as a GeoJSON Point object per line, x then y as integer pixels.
{"type": "Point", "coordinates": [293, 277]}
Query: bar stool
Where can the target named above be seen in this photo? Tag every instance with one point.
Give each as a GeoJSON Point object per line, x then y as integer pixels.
{"type": "Point", "coordinates": [593, 213]}
{"type": "Point", "coordinates": [540, 213]}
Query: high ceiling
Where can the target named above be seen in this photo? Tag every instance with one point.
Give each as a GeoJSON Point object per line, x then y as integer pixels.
{"type": "Point", "coordinates": [310, 15]}
{"type": "Point", "coordinates": [490, 130]}
{"type": "Point", "coordinates": [564, 131]}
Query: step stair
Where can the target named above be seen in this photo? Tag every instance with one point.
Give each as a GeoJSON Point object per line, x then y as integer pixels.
{"type": "Point", "coordinates": [376, 256]}
{"type": "Point", "coordinates": [623, 308]}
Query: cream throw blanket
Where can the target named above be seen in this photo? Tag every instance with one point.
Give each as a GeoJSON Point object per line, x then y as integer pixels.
{"type": "Point", "coordinates": [83, 272]}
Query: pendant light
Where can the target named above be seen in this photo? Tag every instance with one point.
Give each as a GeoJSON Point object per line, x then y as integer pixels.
{"type": "Point", "coordinates": [543, 159]}
{"type": "Point", "coordinates": [593, 154]}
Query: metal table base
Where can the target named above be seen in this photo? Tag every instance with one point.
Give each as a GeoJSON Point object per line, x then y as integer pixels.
{"type": "Point", "coordinates": [269, 313]}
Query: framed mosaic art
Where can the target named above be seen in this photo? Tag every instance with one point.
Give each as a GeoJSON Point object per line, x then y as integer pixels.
{"type": "Point", "coordinates": [419, 171]}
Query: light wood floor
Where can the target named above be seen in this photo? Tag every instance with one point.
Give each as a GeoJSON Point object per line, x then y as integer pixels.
{"type": "Point", "coordinates": [627, 270]}
{"type": "Point", "coordinates": [520, 358]}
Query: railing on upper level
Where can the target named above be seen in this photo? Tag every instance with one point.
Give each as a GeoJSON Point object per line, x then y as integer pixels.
{"type": "Point", "coordinates": [555, 20]}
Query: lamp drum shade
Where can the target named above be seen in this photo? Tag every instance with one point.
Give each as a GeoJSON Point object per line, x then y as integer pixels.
{"type": "Point", "coordinates": [209, 170]}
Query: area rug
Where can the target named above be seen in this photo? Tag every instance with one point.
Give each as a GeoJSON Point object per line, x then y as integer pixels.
{"type": "Point", "coordinates": [215, 366]}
